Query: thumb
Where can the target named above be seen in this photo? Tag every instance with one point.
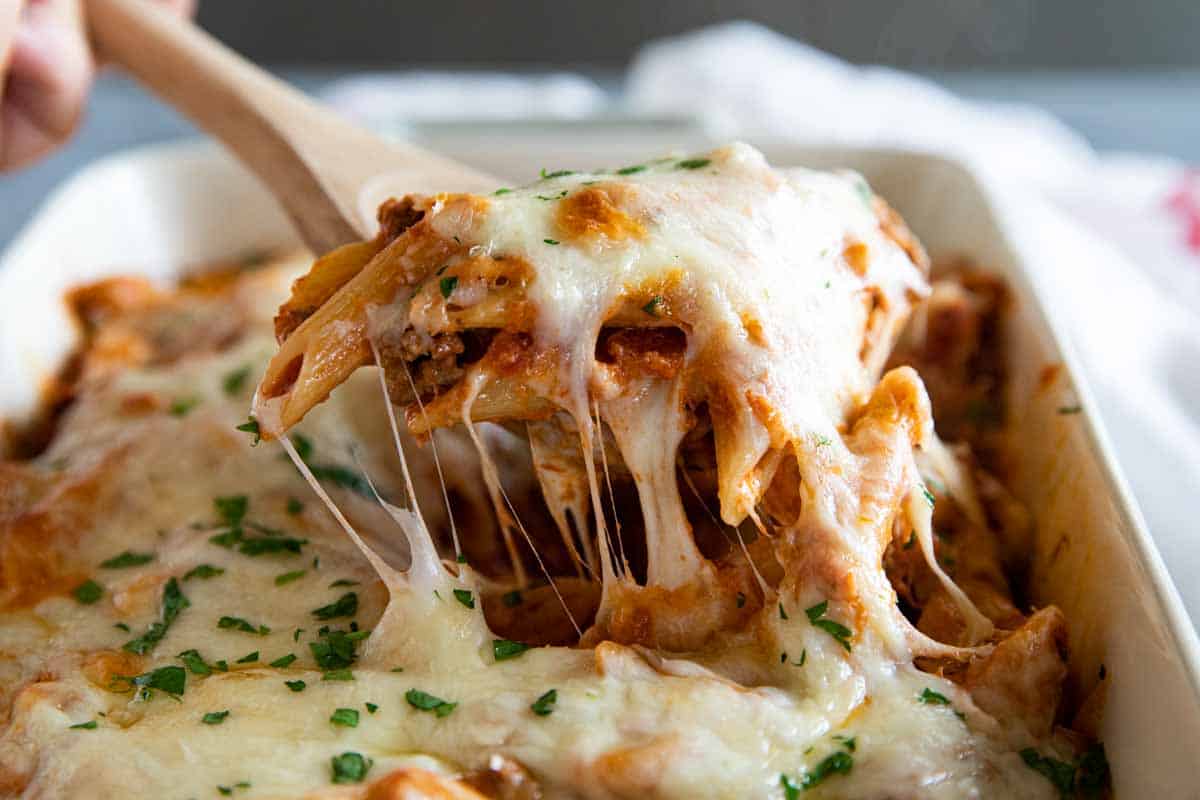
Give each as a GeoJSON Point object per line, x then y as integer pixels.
{"type": "Point", "coordinates": [49, 73]}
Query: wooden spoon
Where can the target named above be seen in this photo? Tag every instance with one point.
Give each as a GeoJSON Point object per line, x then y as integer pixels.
{"type": "Point", "coordinates": [319, 167]}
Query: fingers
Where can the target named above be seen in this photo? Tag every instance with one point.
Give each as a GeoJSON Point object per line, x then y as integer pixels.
{"type": "Point", "coordinates": [49, 73]}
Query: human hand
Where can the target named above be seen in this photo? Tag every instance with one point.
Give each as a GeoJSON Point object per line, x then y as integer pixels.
{"type": "Point", "coordinates": [46, 70]}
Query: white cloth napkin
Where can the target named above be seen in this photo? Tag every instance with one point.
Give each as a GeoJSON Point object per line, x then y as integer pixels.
{"type": "Point", "coordinates": [1115, 238]}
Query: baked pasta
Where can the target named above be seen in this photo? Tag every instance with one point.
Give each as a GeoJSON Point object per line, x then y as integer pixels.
{"type": "Point", "coordinates": [644, 499]}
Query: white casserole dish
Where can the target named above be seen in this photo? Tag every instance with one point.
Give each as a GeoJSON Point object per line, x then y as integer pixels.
{"type": "Point", "coordinates": [155, 211]}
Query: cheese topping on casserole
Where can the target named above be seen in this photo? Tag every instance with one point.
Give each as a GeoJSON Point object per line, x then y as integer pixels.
{"type": "Point", "coordinates": [675, 567]}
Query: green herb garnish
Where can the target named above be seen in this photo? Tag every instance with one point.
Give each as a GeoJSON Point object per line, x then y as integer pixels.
{"type": "Point", "coordinates": [816, 616]}
{"type": "Point", "coordinates": [371, 708]}
{"type": "Point", "coordinates": [464, 597]}
{"type": "Point", "coordinates": [557, 174]}
{"type": "Point", "coordinates": [346, 717]}
{"type": "Point", "coordinates": [283, 661]}
{"type": "Point", "coordinates": [288, 577]}
{"type": "Point", "coordinates": [88, 592]}
{"type": "Point", "coordinates": [504, 649]}
{"type": "Point", "coordinates": [349, 767]}
{"type": "Point", "coordinates": [447, 285]}
{"type": "Point", "coordinates": [636, 168]}
{"type": "Point", "coordinates": [652, 306]}
{"type": "Point", "coordinates": [1059, 773]}
{"type": "Point", "coordinates": [251, 427]}
{"type": "Point", "coordinates": [343, 582]}
{"type": "Point", "coordinates": [203, 571]}
{"type": "Point", "coordinates": [423, 701]}
{"type": "Point", "coordinates": [931, 698]}
{"type": "Point", "coordinates": [1070, 409]}
{"type": "Point", "coordinates": [90, 725]}
{"type": "Point", "coordinates": [235, 381]}
{"type": "Point", "coordinates": [694, 163]}
{"type": "Point", "coordinates": [344, 606]}
{"type": "Point", "coordinates": [127, 559]}
{"type": "Point", "coordinates": [239, 624]}
{"type": "Point", "coordinates": [337, 675]}
{"type": "Point", "coordinates": [215, 717]}
{"type": "Point", "coordinates": [544, 705]}
{"type": "Point", "coordinates": [173, 602]}
{"type": "Point", "coordinates": [171, 680]}
{"type": "Point", "coordinates": [249, 658]}
{"type": "Point", "coordinates": [550, 241]}
{"type": "Point", "coordinates": [294, 506]}
{"type": "Point", "coordinates": [295, 686]}
{"type": "Point", "coordinates": [182, 405]}
{"type": "Point", "coordinates": [195, 662]}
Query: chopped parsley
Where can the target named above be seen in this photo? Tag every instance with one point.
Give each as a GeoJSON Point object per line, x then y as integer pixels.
{"type": "Point", "coordinates": [1059, 773]}
{"type": "Point", "coordinates": [345, 717]}
{"type": "Point", "coordinates": [288, 577]}
{"type": "Point", "coordinates": [228, 790]}
{"type": "Point", "coordinates": [90, 725]}
{"type": "Point", "coordinates": [693, 163]}
{"type": "Point", "coordinates": [239, 624]}
{"type": "Point", "coordinates": [335, 649]}
{"type": "Point", "coordinates": [173, 602]}
{"type": "Point", "coordinates": [344, 606]}
{"type": "Point", "coordinates": [423, 701]}
{"type": "Point", "coordinates": [447, 286]}
{"type": "Point", "coordinates": [556, 174]}
{"type": "Point", "coordinates": [550, 241]}
{"type": "Point", "coordinates": [1070, 409]}
{"type": "Point", "coordinates": [182, 405]}
{"type": "Point", "coordinates": [512, 599]}
{"type": "Point", "coordinates": [551, 197]}
{"type": "Point", "coordinates": [499, 192]}
{"type": "Point", "coordinates": [283, 661]}
{"type": "Point", "coordinates": [171, 680]}
{"type": "Point", "coordinates": [204, 572]}
{"type": "Point", "coordinates": [931, 698]}
{"type": "Point", "coordinates": [337, 675]}
{"type": "Point", "coordinates": [839, 763]}
{"type": "Point", "coordinates": [544, 705]}
{"type": "Point", "coordinates": [633, 170]}
{"type": "Point", "coordinates": [504, 649]}
{"type": "Point", "coordinates": [343, 582]}
{"type": "Point", "coordinates": [232, 509]}
{"type": "Point", "coordinates": [295, 686]}
{"type": "Point", "coordinates": [271, 544]}
{"type": "Point", "coordinates": [251, 427]}
{"type": "Point", "coordinates": [88, 592]}
{"type": "Point", "coordinates": [127, 559]}
{"type": "Point", "coordinates": [249, 658]}
{"type": "Point", "coordinates": [929, 498]}
{"type": "Point", "coordinates": [235, 381]}
{"type": "Point", "coordinates": [195, 662]}
{"type": "Point", "coordinates": [215, 717]}
{"type": "Point", "coordinates": [465, 597]}
{"type": "Point", "coordinates": [849, 742]}
{"type": "Point", "coordinates": [652, 306]}
{"type": "Point", "coordinates": [349, 767]}
{"type": "Point", "coordinates": [121, 626]}
{"type": "Point", "coordinates": [294, 506]}
{"type": "Point", "coordinates": [371, 708]}
{"type": "Point", "coordinates": [822, 441]}
{"type": "Point", "coordinates": [816, 615]}
{"type": "Point", "coordinates": [782, 613]}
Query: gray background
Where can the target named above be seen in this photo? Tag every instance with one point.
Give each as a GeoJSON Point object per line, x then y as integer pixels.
{"type": "Point", "coordinates": [1125, 73]}
{"type": "Point", "coordinates": [911, 33]}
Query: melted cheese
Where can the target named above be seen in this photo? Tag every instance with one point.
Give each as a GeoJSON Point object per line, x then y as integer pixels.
{"type": "Point", "coordinates": [774, 697]}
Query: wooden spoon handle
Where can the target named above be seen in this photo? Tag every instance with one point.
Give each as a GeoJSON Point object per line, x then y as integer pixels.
{"type": "Point", "coordinates": [315, 163]}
